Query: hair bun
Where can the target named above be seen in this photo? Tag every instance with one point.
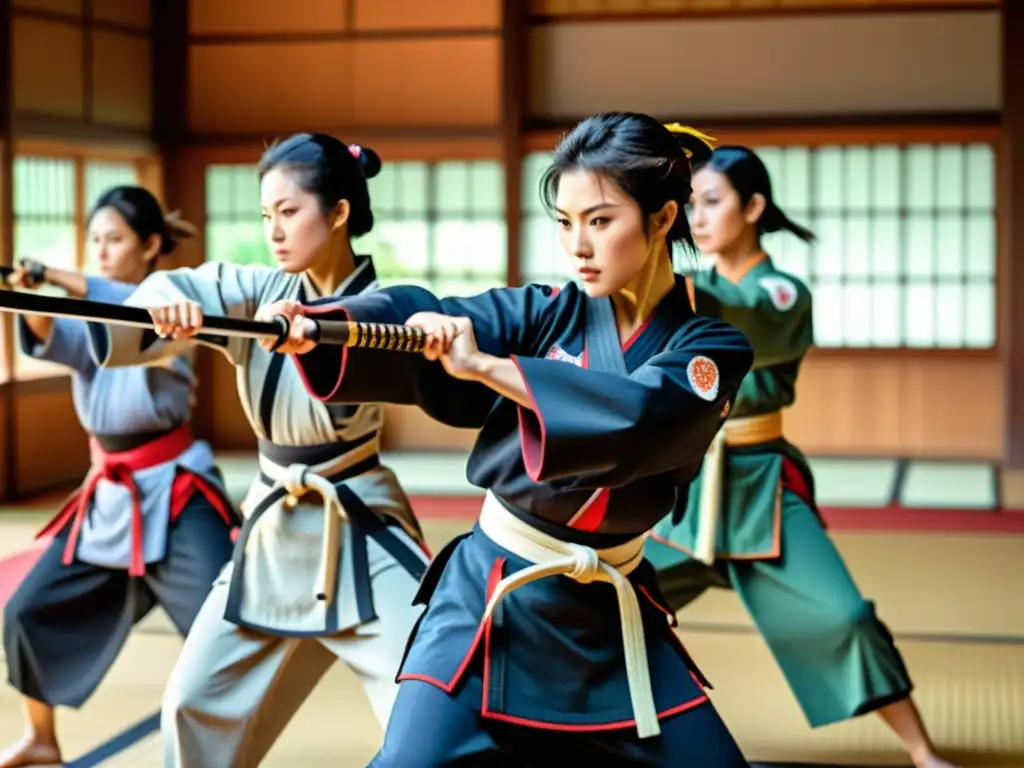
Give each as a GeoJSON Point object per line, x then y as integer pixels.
{"type": "Point", "coordinates": [369, 161]}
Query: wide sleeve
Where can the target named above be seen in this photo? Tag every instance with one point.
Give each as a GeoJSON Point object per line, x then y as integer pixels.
{"type": "Point", "coordinates": [68, 341]}
{"type": "Point", "coordinates": [109, 291]}
{"type": "Point", "coordinates": [619, 429]}
{"type": "Point", "coordinates": [219, 288]}
{"type": "Point", "coordinates": [774, 312]}
{"type": "Point", "coordinates": [506, 321]}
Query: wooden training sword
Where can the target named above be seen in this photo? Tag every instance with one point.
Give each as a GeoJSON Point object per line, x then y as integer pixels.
{"type": "Point", "coordinates": [397, 338]}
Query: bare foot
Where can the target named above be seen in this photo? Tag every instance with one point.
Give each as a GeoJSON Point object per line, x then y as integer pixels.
{"type": "Point", "coordinates": [28, 752]}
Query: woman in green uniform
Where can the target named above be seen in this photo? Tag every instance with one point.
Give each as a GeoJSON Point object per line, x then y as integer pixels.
{"type": "Point", "coordinates": [749, 523]}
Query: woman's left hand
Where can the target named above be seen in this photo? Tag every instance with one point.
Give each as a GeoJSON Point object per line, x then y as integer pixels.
{"type": "Point", "coordinates": [450, 340]}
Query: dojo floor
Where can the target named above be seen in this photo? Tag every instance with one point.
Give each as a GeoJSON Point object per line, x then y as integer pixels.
{"type": "Point", "coordinates": [951, 595]}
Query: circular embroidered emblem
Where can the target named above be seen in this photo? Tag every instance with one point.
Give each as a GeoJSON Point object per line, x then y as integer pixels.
{"type": "Point", "coordinates": [782, 292]}
{"type": "Point", "coordinates": [703, 376]}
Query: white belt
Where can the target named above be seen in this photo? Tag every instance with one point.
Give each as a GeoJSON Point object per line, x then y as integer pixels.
{"type": "Point", "coordinates": [553, 557]}
{"type": "Point", "coordinates": [298, 479]}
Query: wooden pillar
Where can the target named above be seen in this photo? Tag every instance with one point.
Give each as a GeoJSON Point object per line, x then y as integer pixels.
{"type": "Point", "coordinates": [8, 442]}
{"type": "Point", "coordinates": [1011, 231]}
{"type": "Point", "coordinates": [170, 87]}
{"type": "Point", "coordinates": [514, 79]}
{"type": "Point", "coordinates": [180, 187]}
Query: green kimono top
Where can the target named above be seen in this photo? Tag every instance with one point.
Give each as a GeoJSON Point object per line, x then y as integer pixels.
{"type": "Point", "coordinates": [773, 309]}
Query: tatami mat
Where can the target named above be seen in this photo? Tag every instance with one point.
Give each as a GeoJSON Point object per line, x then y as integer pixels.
{"type": "Point", "coordinates": [953, 600]}
{"type": "Point", "coordinates": [971, 695]}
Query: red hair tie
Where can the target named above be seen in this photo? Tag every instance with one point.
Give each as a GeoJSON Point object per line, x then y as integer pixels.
{"type": "Point", "coordinates": [355, 150]}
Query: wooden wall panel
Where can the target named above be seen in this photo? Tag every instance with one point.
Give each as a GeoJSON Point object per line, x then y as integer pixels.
{"type": "Point", "coordinates": [267, 17]}
{"type": "Point", "coordinates": [408, 429]}
{"type": "Point", "coordinates": [66, 7]}
{"type": "Point", "coordinates": [904, 404]}
{"type": "Point", "coordinates": [129, 13]}
{"type": "Point", "coordinates": [448, 82]}
{"type": "Point", "coordinates": [122, 79]}
{"type": "Point", "coordinates": [278, 87]}
{"type": "Point", "coordinates": [7, 444]}
{"type": "Point", "coordinates": [48, 68]}
{"type": "Point", "coordinates": [42, 407]}
{"type": "Point", "coordinates": [427, 15]}
{"type": "Point", "coordinates": [1010, 177]}
{"type": "Point", "coordinates": [390, 150]}
{"type": "Point", "coordinates": [269, 86]}
{"type": "Point", "coordinates": [813, 66]}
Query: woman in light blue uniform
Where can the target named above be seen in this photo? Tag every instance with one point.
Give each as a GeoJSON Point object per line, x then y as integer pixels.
{"type": "Point", "coordinates": [150, 525]}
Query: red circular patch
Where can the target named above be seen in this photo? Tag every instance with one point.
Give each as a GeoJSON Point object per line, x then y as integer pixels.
{"type": "Point", "coordinates": [704, 374]}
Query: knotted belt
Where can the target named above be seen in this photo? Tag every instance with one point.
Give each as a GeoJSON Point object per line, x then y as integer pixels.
{"type": "Point", "coordinates": [300, 479]}
{"type": "Point", "coordinates": [553, 557]}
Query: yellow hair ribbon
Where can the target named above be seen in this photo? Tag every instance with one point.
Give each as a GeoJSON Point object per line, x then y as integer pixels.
{"type": "Point", "coordinates": [680, 128]}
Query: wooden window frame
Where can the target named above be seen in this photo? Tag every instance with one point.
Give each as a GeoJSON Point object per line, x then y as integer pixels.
{"type": "Point", "coordinates": [981, 130]}
{"type": "Point", "coordinates": [148, 169]}
{"type": "Point", "coordinates": [538, 17]}
{"type": "Point", "coordinates": [432, 216]}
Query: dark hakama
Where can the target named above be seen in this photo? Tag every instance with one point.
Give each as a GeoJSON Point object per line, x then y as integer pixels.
{"type": "Point", "coordinates": [66, 624]}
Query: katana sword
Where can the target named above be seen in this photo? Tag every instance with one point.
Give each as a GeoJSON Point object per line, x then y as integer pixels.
{"type": "Point", "coordinates": [397, 338]}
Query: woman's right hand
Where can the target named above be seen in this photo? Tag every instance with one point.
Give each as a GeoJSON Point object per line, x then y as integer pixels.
{"type": "Point", "coordinates": [297, 341]}
{"type": "Point", "coordinates": [179, 320]}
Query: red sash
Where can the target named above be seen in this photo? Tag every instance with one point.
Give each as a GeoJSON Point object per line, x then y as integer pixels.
{"type": "Point", "coordinates": [119, 468]}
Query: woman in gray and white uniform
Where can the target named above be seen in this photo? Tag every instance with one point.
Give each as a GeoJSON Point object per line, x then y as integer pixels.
{"type": "Point", "coordinates": [327, 562]}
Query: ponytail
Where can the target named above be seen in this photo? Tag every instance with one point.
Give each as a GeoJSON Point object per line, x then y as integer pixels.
{"type": "Point", "coordinates": [774, 219]}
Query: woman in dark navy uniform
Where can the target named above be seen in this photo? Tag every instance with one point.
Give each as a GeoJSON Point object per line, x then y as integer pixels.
{"type": "Point", "coordinates": [544, 630]}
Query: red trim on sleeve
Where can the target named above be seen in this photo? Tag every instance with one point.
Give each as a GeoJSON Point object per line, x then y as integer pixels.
{"type": "Point", "coordinates": [532, 433]}
{"type": "Point", "coordinates": [323, 309]}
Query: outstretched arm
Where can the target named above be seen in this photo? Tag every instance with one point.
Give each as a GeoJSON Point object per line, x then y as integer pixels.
{"type": "Point", "coordinates": [500, 323]}
{"type": "Point", "coordinates": [214, 288]}
{"type": "Point", "coordinates": [63, 340]}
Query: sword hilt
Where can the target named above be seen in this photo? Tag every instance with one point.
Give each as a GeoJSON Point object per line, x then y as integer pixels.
{"type": "Point", "coordinates": [394, 338]}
